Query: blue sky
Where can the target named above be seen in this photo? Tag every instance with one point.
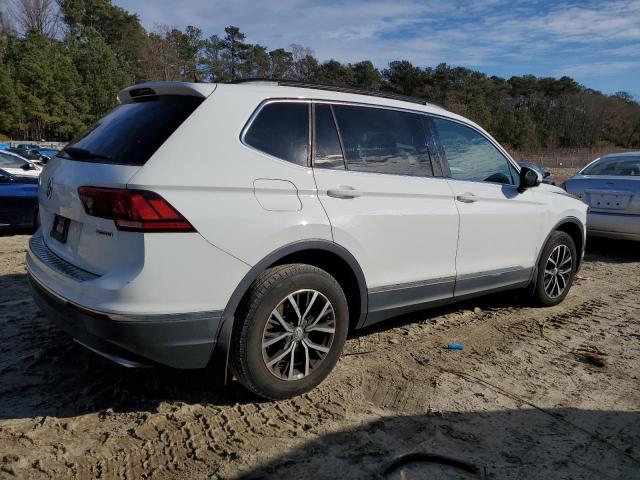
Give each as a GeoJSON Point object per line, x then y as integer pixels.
{"type": "Point", "coordinates": [596, 42]}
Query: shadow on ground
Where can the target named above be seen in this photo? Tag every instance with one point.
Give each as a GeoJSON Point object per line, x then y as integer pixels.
{"type": "Point", "coordinates": [10, 232]}
{"type": "Point", "coordinates": [612, 251]}
{"type": "Point", "coordinates": [511, 444]}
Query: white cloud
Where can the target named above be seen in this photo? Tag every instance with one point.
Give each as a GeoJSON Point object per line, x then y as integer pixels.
{"type": "Point", "coordinates": [498, 34]}
{"type": "Point", "coordinates": [599, 69]}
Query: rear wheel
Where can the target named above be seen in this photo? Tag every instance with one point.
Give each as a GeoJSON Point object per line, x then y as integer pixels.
{"type": "Point", "coordinates": [292, 327]}
{"type": "Point", "coordinates": [556, 269]}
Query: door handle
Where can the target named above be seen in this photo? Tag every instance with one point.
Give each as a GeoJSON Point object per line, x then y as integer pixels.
{"type": "Point", "coordinates": [467, 197]}
{"type": "Point", "coordinates": [343, 191]}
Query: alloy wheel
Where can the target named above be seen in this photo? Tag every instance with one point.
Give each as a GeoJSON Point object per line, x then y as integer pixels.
{"type": "Point", "coordinates": [298, 334]}
{"type": "Point", "coordinates": [557, 271]}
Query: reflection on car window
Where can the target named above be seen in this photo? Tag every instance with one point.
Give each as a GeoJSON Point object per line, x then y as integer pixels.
{"type": "Point", "coordinates": [470, 155]}
{"type": "Point", "coordinates": [281, 130]}
{"type": "Point", "coordinates": [618, 166]}
{"type": "Point", "coordinates": [328, 153]}
{"type": "Point", "coordinates": [383, 141]}
{"type": "Point", "coordinates": [10, 161]}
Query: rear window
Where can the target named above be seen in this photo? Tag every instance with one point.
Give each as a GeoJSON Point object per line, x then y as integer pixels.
{"type": "Point", "coordinates": [617, 166]}
{"type": "Point", "coordinates": [132, 132]}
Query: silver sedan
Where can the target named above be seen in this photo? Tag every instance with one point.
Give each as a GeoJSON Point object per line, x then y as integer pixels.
{"type": "Point", "coordinates": [610, 185]}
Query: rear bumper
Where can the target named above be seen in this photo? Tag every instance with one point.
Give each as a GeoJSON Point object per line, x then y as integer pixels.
{"type": "Point", "coordinates": [610, 225]}
{"type": "Point", "coordinates": [178, 341]}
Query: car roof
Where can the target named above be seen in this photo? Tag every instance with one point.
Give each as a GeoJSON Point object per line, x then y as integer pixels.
{"type": "Point", "coordinates": [273, 89]}
{"type": "Point", "coordinates": [621, 154]}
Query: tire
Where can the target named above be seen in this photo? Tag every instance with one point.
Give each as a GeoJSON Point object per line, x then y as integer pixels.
{"type": "Point", "coordinates": [552, 288]}
{"type": "Point", "coordinates": [255, 347]}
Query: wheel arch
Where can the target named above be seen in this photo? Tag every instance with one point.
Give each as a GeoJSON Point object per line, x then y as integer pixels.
{"type": "Point", "coordinates": [575, 229]}
{"type": "Point", "coordinates": [324, 254]}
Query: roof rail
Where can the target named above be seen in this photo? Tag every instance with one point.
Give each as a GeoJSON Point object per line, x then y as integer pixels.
{"type": "Point", "coordinates": [336, 88]}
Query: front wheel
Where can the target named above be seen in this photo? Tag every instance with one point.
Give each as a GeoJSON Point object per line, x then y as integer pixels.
{"type": "Point", "coordinates": [556, 269]}
{"type": "Point", "coordinates": [292, 327]}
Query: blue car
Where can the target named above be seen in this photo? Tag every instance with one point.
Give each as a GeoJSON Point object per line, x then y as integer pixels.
{"type": "Point", "coordinates": [18, 201]}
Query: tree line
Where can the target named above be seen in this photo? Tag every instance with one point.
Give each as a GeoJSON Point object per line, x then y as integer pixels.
{"type": "Point", "coordinates": [62, 62]}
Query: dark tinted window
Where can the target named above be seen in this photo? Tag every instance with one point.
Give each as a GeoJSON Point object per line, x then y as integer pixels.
{"type": "Point", "coordinates": [383, 141]}
{"type": "Point", "coordinates": [470, 155]}
{"type": "Point", "coordinates": [132, 132]}
{"type": "Point", "coordinates": [328, 153]}
{"type": "Point", "coordinates": [11, 161]}
{"type": "Point", "coordinates": [281, 130]}
{"type": "Point", "coordinates": [618, 166]}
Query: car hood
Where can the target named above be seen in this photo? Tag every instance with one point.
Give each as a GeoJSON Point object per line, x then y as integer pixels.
{"type": "Point", "coordinates": [18, 172]}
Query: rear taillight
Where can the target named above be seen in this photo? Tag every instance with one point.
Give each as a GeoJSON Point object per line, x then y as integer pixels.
{"type": "Point", "coordinates": [133, 210]}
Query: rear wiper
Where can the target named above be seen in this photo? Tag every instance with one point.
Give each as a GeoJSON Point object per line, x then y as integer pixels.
{"type": "Point", "coordinates": [76, 152]}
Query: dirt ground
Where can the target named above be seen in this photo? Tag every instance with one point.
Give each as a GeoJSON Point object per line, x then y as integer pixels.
{"type": "Point", "coordinates": [521, 401]}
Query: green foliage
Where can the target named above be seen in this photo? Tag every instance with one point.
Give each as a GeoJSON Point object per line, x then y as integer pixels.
{"type": "Point", "coordinates": [53, 88]}
{"type": "Point", "coordinates": [49, 88]}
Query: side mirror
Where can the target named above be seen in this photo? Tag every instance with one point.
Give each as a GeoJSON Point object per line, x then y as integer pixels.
{"type": "Point", "coordinates": [528, 178]}
{"type": "Point", "coordinates": [28, 166]}
{"type": "Point", "coordinates": [547, 174]}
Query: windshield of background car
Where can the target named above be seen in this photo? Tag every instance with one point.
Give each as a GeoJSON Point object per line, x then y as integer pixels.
{"type": "Point", "coordinates": [617, 166]}
{"type": "Point", "coordinates": [11, 161]}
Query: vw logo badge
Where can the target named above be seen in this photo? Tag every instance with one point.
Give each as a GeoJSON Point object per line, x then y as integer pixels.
{"type": "Point", "coordinates": [50, 188]}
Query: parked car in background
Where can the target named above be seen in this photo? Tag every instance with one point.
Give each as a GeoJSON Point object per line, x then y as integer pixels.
{"type": "Point", "coordinates": [47, 153]}
{"type": "Point", "coordinates": [34, 153]}
{"type": "Point", "coordinates": [4, 146]}
{"type": "Point", "coordinates": [298, 213]}
{"type": "Point", "coordinates": [610, 185]}
{"type": "Point", "coordinates": [16, 165]}
{"type": "Point", "coordinates": [547, 177]}
{"type": "Point", "coordinates": [18, 200]}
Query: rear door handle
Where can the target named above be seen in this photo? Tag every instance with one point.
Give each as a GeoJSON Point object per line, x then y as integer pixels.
{"type": "Point", "coordinates": [467, 198]}
{"type": "Point", "coordinates": [343, 191]}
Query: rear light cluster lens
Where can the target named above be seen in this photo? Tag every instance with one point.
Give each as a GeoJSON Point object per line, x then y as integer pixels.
{"type": "Point", "coordinates": [133, 210]}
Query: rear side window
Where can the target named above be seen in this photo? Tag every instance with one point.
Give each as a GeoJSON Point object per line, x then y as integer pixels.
{"type": "Point", "coordinates": [281, 129]}
{"type": "Point", "coordinates": [383, 141]}
{"type": "Point", "coordinates": [470, 155]}
{"type": "Point", "coordinates": [132, 132]}
{"type": "Point", "coordinates": [328, 152]}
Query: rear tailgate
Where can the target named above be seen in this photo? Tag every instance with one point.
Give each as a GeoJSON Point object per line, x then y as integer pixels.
{"type": "Point", "coordinates": [107, 156]}
{"type": "Point", "coordinates": [608, 194]}
{"type": "Point", "coordinates": [90, 243]}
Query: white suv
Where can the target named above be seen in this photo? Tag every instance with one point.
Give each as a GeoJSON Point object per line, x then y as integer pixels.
{"type": "Point", "coordinates": [252, 225]}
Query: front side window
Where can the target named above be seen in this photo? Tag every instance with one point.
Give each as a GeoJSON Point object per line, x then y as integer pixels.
{"type": "Point", "coordinates": [617, 166]}
{"type": "Point", "coordinates": [470, 155]}
{"type": "Point", "coordinates": [383, 141]}
{"type": "Point", "coordinates": [281, 129]}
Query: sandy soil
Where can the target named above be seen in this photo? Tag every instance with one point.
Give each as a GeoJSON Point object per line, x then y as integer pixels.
{"type": "Point", "coordinates": [520, 401]}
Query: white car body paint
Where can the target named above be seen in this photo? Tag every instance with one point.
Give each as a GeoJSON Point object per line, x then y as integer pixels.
{"type": "Point", "coordinates": [245, 204]}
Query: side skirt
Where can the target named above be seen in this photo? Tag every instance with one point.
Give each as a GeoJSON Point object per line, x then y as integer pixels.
{"type": "Point", "coordinates": [393, 300]}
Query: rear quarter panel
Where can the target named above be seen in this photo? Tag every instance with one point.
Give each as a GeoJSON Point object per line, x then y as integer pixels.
{"type": "Point", "coordinates": [209, 176]}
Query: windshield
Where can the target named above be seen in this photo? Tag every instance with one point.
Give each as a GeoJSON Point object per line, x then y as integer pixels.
{"type": "Point", "coordinates": [132, 132]}
{"type": "Point", "coordinates": [11, 161]}
{"type": "Point", "coordinates": [617, 166]}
